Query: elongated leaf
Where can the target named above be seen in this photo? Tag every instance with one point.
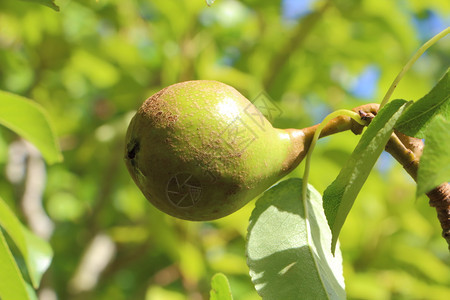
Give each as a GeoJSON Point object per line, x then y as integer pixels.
{"type": "Point", "coordinates": [48, 3]}
{"type": "Point", "coordinates": [434, 167]}
{"type": "Point", "coordinates": [36, 252]}
{"type": "Point", "coordinates": [339, 197]}
{"type": "Point", "coordinates": [288, 249]}
{"type": "Point", "coordinates": [220, 288]}
{"type": "Point", "coordinates": [12, 285]}
{"type": "Point", "coordinates": [417, 117]}
{"type": "Point", "coordinates": [29, 119]}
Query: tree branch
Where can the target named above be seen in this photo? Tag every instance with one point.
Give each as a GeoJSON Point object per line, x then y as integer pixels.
{"type": "Point", "coordinates": [403, 155]}
{"type": "Point", "coordinates": [405, 149]}
{"type": "Point", "coordinates": [439, 196]}
{"type": "Point", "coordinates": [440, 199]}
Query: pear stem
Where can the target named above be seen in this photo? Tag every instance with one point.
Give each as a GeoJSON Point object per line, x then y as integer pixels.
{"type": "Point", "coordinates": [341, 112]}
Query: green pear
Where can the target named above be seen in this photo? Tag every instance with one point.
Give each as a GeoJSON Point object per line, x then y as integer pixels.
{"type": "Point", "coordinates": [199, 150]}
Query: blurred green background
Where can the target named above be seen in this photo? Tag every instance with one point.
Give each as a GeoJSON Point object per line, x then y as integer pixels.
{"type": "Point", "coordinates": [93, 63]}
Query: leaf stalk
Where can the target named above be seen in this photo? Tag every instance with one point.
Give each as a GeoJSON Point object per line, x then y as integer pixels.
{"type": "Point", "coordinates": [409, 64]}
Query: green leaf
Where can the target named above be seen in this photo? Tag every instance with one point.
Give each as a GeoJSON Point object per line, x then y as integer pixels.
{"type": "Point", "coordinates": [12, 284]}
{"type": "Point", "coordinates": [418, 116]}
{"type": "Point", "coordinates": [29, 120]}
{"type": "Point", "coordinates": [434, 167]}
{"type": "Point", "coordinates": [36, 252]}
{"type": "Point", "coordinates": [339, 197]}
{"type": "Point", "coordinates": [288, 249]}
{"type": "Point", "coordinates": [220, 288]}
{"type": "Point", "coordinates": [48, 3]}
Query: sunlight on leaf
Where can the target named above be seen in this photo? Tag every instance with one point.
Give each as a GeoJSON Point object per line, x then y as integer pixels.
{"type": "Point", "coordinates": [434, 168]}
{"type": "Point", "coordinates": [29, 120]}
{"type": "Point", "coordinates": [48, 3]}
{"type": "Point", "coordinates": [220, 288]}
{"type": "Point", "coordinates": [36, 252]}
{"type": "Point", "coordinates": [419, 115]}
{"type": "Point", "coordinates": [339, 197]}
{"type": "Point", "coordinates": [288, 250]}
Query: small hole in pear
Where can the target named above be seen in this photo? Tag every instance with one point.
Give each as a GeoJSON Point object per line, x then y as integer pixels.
{"type": "Point", "coordinates": [131, 154]}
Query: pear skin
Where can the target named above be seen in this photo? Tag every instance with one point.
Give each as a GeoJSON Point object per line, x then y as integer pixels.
{"type": "Point", "coordinates": [199, 150]}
